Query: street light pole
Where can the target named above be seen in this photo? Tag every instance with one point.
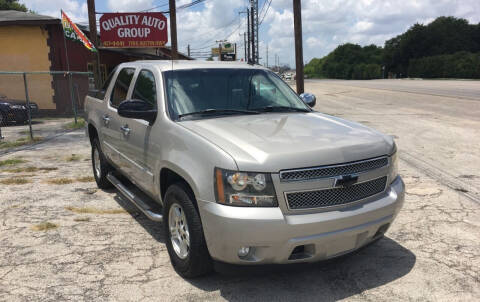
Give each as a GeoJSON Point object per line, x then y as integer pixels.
{"type": "Point", "coordinates": [297, 24]}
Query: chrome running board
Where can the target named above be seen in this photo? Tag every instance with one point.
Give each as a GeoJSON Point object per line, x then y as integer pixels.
{"type": "Point", "coordinates": [135, 199]}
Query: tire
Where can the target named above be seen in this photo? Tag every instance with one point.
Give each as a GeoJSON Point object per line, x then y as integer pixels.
{"type": "Point", "coordinates": [100, 166]}
{"type": "Point", "coordinates": [197, 261]}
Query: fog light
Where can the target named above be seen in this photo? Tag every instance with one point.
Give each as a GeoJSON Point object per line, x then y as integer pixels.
{"type": "Point", "coordinates": [243, 251]}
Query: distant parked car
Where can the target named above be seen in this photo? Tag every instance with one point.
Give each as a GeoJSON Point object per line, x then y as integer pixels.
{"type": "Point", "coordinates": [14, 110]}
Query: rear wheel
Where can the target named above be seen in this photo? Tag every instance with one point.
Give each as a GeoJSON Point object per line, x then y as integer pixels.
{"type": "Point", "coordinates": [185, 240]}
{"type": "Point", "coordinates": [100, 166]}
{"type": "Point", "coordinates": [3, 119]}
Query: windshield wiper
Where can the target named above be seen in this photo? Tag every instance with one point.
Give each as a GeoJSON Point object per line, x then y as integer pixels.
{"type": "Point", "coordinates": [282, 108]}
{"type": "Point", "coordinates": [218, 111]}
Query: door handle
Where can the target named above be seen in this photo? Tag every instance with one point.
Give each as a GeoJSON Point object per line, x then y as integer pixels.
{"type": "Point", "coordinates": [125, 130]}
{"type": "Point", "coordinates": [106, 119]}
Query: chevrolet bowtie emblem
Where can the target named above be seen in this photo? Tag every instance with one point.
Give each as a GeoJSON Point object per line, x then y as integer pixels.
{"type": "Point", "coordinates": [345, 181]}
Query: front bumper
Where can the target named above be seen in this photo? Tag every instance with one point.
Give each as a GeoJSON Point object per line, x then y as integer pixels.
{"type": "Point", "coordinates": [279, 238]}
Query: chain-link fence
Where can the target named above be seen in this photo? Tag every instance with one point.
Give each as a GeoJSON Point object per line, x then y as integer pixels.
{"type": "Point", "coordinates": [38, 105]}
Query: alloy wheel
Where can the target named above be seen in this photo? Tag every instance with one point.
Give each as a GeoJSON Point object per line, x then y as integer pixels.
{"type": "Point", "coordinates": [179, 234]}
{"type": "Point", "coordinates": [96, 163]}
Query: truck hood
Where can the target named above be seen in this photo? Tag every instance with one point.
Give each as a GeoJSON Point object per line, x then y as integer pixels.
{"type": "Point", "coordinates": [272, 142]}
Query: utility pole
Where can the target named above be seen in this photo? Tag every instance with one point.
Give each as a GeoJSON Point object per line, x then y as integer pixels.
{"type": "Point", "coordinates": [92, 24]}
{"type": "Point", "coordinates": [188, 49]}
{"type": "Point", "coordinates": [267, 55]}
{"type": "Point", "coordinates": [245, 44]}
{"type": "Point", "coordinates": [220, 51]}
{"type": "Point", "coordinates": [173, 28]}
{"type": "Point", "coordinates": [254, 20]}
{"type": "Point", "coordinates": [249, 35]}
{"type": "Point", "coordinates": [297, 24]}
{"type": "Point", "coordinates": [252, 31]}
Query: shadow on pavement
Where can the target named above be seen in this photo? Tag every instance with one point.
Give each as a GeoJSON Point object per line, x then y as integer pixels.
{"type": "Point", "coordinates": [369, 267]}
{"type": "Point", "coordinates": [372, 266]}
{"type": "Point", "coordinates": [155, 229]}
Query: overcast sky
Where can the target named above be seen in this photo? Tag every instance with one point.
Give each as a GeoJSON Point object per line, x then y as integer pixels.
{"type": "Point", "coordinates": [326, 23]}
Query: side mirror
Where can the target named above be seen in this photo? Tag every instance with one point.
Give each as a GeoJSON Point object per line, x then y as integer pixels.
{"type": "Point", "coordinates": [309, 99]}
{"type": "Point", "coordinates": [137, 109]}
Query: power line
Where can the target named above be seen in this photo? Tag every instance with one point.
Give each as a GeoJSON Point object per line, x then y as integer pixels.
{"type": "Point", "coordinates": [167, 11]}
{"type": "Point", "coordinates": [263, 6]}
{"type": "Point", "coordinates": [211, 33]}
{"type": "Point", "coordinates": [239, 25]}
{"type": "Point", "coordinates": [155, 7]}
{"type": "Point", "coordinates": [266, 12]}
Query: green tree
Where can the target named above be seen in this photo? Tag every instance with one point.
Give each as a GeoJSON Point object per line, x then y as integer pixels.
{"type": "Point", "coordinates": [444, 35]}
{"type": "Point", "coordinates": [12, 5]}
{"type": "Point", "coordinates": [348, 61]}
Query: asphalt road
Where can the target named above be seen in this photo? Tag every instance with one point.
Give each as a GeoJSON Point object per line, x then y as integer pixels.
{"type": "Point", "coordinates": [441, 133]}
{"type": "Point", "coordinates": [448, 88]}
{"type": "Point", "coordinates": [100, 248]}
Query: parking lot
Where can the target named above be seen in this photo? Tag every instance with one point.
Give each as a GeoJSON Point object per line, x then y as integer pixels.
{"type": "Point", "coordinates": [63, 239]}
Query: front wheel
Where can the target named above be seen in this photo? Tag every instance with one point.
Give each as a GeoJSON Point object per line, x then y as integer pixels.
{"type": "Point", "coordinates": [100, 166]}
{"type": "Point", "coordinates": [185, 240]}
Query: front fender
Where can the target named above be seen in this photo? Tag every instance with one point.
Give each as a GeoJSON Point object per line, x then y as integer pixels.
{"type": "Point", "coordinates": [192, 157]}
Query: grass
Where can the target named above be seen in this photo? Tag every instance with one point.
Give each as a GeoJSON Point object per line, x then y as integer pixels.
{"type": "Point", "coordinates": [80, 124]}
{"type": "Point", "coordinates": [44, 226]}
{"type": "Point", "coordinates": [66, 180]}
{"type": "Point", "coordinates": [20, 170]}
{"type": "Point", "coordinates": [39, 119]}
{"type": "Point", "coordinates": [30, 169]}
{"type": "Point", "coordinates": [20, 142]}
{"type": "Point", "coordinates": [73, 157]}
{"type": "Point", "coordinates": [60, 181]}
{"type": "Point", "coordinates": [86, 179]}
{"type": "Point", "coordinates": [81, 219]}
{"type": "Point", "coordinates": [14, 181]}
{"type": "Point", "coordinates": [90, 210]}
{"type": "Point", "coordinates": [12, 162]}
{"type": "Point", "coordinates": [46, 169]}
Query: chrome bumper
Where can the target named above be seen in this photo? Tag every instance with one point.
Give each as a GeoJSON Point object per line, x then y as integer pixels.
{"type": "Point", "coordinates": [276, 237]}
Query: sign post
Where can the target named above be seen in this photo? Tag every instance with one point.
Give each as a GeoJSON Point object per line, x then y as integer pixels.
{"type": "Point", "coordinates": [130, 30]}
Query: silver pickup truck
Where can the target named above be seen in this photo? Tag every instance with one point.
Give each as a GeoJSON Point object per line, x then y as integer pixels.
{"type": "Point", "coordinates": [238, 167]}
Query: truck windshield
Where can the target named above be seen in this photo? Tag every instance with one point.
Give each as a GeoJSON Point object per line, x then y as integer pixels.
{"type": "Point", "coordinates": [204, 93]}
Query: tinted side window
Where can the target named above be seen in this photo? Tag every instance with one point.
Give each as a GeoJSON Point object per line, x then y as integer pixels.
{"type": "Point", "coordinates": [101, 93]}
{"type": "Point", "coordinates": [120, 90]}
{"type": "Point", "coordinates": [145, 89]}
{"type": "Point", "coordinates": [265, 93]}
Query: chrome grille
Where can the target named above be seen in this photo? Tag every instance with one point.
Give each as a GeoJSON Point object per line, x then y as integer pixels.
{"type": "Point", "coordinates": [333, 170]}
{"type": "Point", "coordinates": [335, 196]}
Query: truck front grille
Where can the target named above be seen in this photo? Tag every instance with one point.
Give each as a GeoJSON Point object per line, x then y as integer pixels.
{"type": "Point", "coordinates": [335, 196]}
{"type": "Point", "coordinates": [333, 170]}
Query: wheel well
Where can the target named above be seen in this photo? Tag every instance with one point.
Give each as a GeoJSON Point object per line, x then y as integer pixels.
{"type": "Point", "coordinates": [92, 132]}
{"type": "Point", "coordinates": [167, 178]}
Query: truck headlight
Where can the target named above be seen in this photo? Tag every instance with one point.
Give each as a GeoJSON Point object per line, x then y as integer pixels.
{"type": "Point", "coordinates": [393, 167]}
{"type": "Point", "coordinates": [244, 189]}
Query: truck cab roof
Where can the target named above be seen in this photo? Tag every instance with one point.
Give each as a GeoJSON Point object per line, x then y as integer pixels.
{"type": "Point", "coordinates": [164, 65]}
